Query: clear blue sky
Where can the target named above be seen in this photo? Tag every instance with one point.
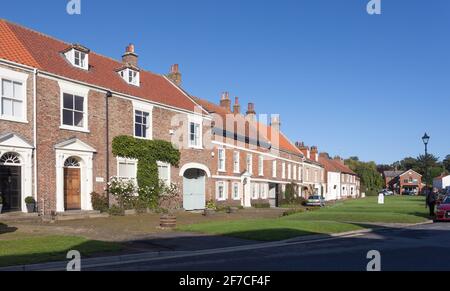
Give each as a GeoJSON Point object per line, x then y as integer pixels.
{"type": "Point", "coordinates": [351, 83]}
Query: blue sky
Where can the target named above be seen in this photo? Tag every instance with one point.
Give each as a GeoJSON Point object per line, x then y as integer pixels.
{"type": "Point", "coordinates": [348, 82]}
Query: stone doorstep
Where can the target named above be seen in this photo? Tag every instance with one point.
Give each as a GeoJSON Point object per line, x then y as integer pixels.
{"type": "Point", "coordinates": [18, 216]}
{"type": "Point", "coordinates": [77, 215]}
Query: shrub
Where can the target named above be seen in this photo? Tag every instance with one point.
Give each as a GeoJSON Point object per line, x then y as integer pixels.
{"type": "Point", "coordinates": [99, 202]}
{"type": "Point", "coordinates": [261, 205]}
{"type": "Point", "coordinates": [123, 191]}
{"type": "Point", "coordinates": [211, 205]}
{"type": "Point", "coordinates": [168, 197]}
{"type": "Point", "coordinates": [116, 211]}
{"type": "Point", "coordinates": [30, 200]}
{"type": "Point", "coordinates": [293, 211]}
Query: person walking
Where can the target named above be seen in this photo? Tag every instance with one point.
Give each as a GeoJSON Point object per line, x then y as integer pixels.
{"type": "Point", "coordinates": [431, 202]}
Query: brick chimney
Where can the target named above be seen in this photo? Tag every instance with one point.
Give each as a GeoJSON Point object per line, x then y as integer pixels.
{"type": "Point", "coordinates": [225, 101]}
{"type": "Point", "coordinates": [324, 155]}
{"type": "Point", "coordinates": [314, 153]}
{"type": "Point", "coordinates": [251, 113]}
{"type": "Point", "coordinates": [175, 75]}
{"type": "Point", "coordinates": [304, 149]}
{"type": "Point", "coordinates": [339, 159]}
{"type": "Point", "coordinates": [236, 106]}
{"type": "Point", "coordinates": [275, 122]}
{"type": "Point", "coordinates": [130, 57]}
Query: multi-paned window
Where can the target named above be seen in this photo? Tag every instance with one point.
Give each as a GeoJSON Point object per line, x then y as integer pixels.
{"type": "Point", "coordinates": [141, 124]}
{"type": "Point", "coordinates": [130, 76]}
{"type": "Point", "coordinates": [294, 173]}
{"type": "Point", "coordinates": [255, 191]}
{"type": "Point", "coordinates": [236, 194]}
{"type": "Point", "coordinates": [79, 59]}
{"type": "Point", "coordinates": [261, 166]}
{"type": "Point", "coordinates": [12, 99]}
{"type": "Point", "coordinates": [127, 169]}
{"type": "Point", "coordinates": [250, 163]}
{"type": "Point", "coordinates": [74, 111]}
{"type": "Point", "coordinates": [283, 170]}
{"type": "Point", "coordinates": [221, 191]}
{"type": "Point", "coordinates": [164, 172]}
{"type": "Point", "coordinates": [289, 171]}
{"type": "Point", "coordinates": [263, 191]}
{"type": "Point", "coordinates": [194, 135]}
{"type": "Point", "coordinates": [236, 162]}
{"type": "Point", "coordinates": [221, 157]}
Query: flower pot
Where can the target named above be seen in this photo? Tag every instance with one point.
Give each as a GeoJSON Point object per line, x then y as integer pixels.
{"type": "Point", "coordinates": [168, 221]}
{"type": "Point", "coordinates": [31, 207]}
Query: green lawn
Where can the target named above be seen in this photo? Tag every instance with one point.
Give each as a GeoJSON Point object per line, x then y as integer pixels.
{"type": "Point", "coordinates": [31, 250]}
{"type": "Point", "coordinates": [344, 216]}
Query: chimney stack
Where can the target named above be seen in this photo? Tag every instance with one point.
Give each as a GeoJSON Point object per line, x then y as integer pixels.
{"type": "Point", "coordinates": [130, 57]}
{"type": "Point", "coordinates": [324, 155]}
{"type": "Point", "coordinates": [175, 75]}
{"type": "Point", "coordinates": [304, 149]}
{"type": "Point", "coordinates": [339, 159]}
{"type": "Point", "coordinates": [251, 113]}
{"type": "Point", "coordinates": [236, 106]}
{"type": "Point", "coordinates": [314, 153]}
{"type": "Point", "coordinates": [275, 122]}
{"type": "Point", "coordinates": [225, 101]}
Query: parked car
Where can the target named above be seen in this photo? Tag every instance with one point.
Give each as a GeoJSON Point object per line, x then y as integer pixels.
{"type": "Point", "coordinates": [443, 210]}
{"type": "Point", "coordinates": [315, 201]}
{"type": "Point", "coordinates": [386, 192]}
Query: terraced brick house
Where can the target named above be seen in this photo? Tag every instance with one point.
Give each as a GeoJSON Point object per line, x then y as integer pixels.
{"type": "Point", "coordinates": [61, 106]}
{"type": "Point", "coordinates": [312, 173]}
{"type": "Point", "coordinates": [254, 162]}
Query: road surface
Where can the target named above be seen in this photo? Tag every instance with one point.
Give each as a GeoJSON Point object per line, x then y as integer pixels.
{"type": "Point", "coordinates": [425, 247]}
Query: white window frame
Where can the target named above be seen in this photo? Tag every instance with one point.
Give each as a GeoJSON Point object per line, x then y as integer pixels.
{"type": "Point", "coordinates": [263, 191]}
{"type": "Point", "coordinates": [70, 55]}
{"type": "Point", "coordinates": [169, 171]}
{"type": "Point", "coordinates": [197, 120]}
{"type": "Point", "coordinates": [261, 165]}
{"type": "Point", "coordinates": [76, 90]}
{"type": "Point", "coordinates": [237, 162]}
{"type": "Point", "coordinates": [294, 173]}
{"type": "Point", "coordinates": [121, 160]}
{"type": "Point", "coordinates": [255, 191]}
{"type": "Point", "coordinates": [289, 169]}
{"type": "Point", "coordinates": [147, 108]}
{"type": "Point", "coordinates": [225, 192]}
{"type": "Point", "coordinates": [300, 173]}
{"type": "Point", "coordinates": [126, 75]}
{"type": "Point", "coordinates": [249, 163]}
{"type": "Point", "coordinates": [17, 77]}
{"type": "Point", "coordinates": [274, 168]}
{"type": "Point", "coordinates": [283, 170]}
{"type": "Point", "coordinates": [221, 159]}
{"type": "Point", "coordinates": [238, 197]}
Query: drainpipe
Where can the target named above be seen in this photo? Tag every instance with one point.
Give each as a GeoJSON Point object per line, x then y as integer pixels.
{"type": "Point", "coordinates": [35, 133]}
{"type": "Point", "coordinates": [107, 96]}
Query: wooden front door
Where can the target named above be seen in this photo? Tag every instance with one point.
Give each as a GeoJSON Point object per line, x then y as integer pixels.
{"type": "Point", "coordinates": [11, 187]}
{"type": "Point", "coordinates": [72, 189]}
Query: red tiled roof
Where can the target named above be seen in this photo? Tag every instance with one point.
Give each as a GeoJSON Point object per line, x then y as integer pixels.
{"type": "Point", "coordinates": [329, 165]}
{"type": "Point", "coordinates": [265, 133]}
{"type": "Point", "coordinates": [24, 46]}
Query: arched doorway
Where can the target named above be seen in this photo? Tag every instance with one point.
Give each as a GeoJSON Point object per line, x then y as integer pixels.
{"type": "Point", "coordinates": [11, 181]}
{"type": "Point", "coordinates": [72, 184]}
{"type": "Point", "coordinates": [194, 189]}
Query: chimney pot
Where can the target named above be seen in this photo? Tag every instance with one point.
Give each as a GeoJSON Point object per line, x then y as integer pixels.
{"type": "Point", "coordinates": [225, 101]}
{"type": "Point", "coordinates": [237, 106]}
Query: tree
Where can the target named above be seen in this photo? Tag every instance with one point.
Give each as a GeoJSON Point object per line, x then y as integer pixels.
{"type": "Point", "coordinates": [408, 164]}
{"type": "Point", "coordinates": [428, 166]}
{"type": "Point", "coordinates": [371, 180]}
{"type": "Point", "coordinates": [446, 163]}
{"type": "Point", "coordinates": [382, 168]}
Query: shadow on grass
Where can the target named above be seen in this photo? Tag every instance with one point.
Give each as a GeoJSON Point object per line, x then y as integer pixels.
{"type": "Point", "coordinates": [6, 229]}
{"type": "Point", "coordinates": [86, 249]}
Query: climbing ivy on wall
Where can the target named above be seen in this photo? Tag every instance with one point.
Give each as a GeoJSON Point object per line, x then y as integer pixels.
{"type": "Point", "coordinates": [147, 152]}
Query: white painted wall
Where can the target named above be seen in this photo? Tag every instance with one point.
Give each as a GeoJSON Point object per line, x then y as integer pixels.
{"type": "Point", "coordinates": [333, 186]}
{"type": "Point", "coordinates": [442, 183]}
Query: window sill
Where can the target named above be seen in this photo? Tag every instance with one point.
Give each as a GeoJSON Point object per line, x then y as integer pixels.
{"type": "Point", "coordinates": [14, 119]}
{"type": "Point", "coordinates": [143, 138]}
{"type": "Point", "coordinates": [62, 127]}
{"type": "Point", "coordinates": [221, 200]}
{"type": "Point", "coordinates": [195, 147]}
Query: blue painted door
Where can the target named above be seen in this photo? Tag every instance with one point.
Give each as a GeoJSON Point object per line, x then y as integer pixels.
{"type": "Point", "coordinates": [194, 190]}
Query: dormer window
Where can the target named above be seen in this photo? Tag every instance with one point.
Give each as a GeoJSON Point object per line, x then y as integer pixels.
{"type": "Point", "coordinates": [131, 76]}
{"type": "Point", "coordinates": [78, 56]}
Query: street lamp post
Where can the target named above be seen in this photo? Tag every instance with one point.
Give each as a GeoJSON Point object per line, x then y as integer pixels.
{"type": "Point", "coordinates": [425, 140]}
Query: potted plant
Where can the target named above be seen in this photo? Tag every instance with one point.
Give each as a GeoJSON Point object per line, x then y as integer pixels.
{"type": "Point", "coordinates": [31, 204]}
{"type": "Point", "coordinates": [211, 208]}
{"type": "Point", "coordinates": [1, 202]}
{"type": "Point", "coordinates": [168, 203]}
